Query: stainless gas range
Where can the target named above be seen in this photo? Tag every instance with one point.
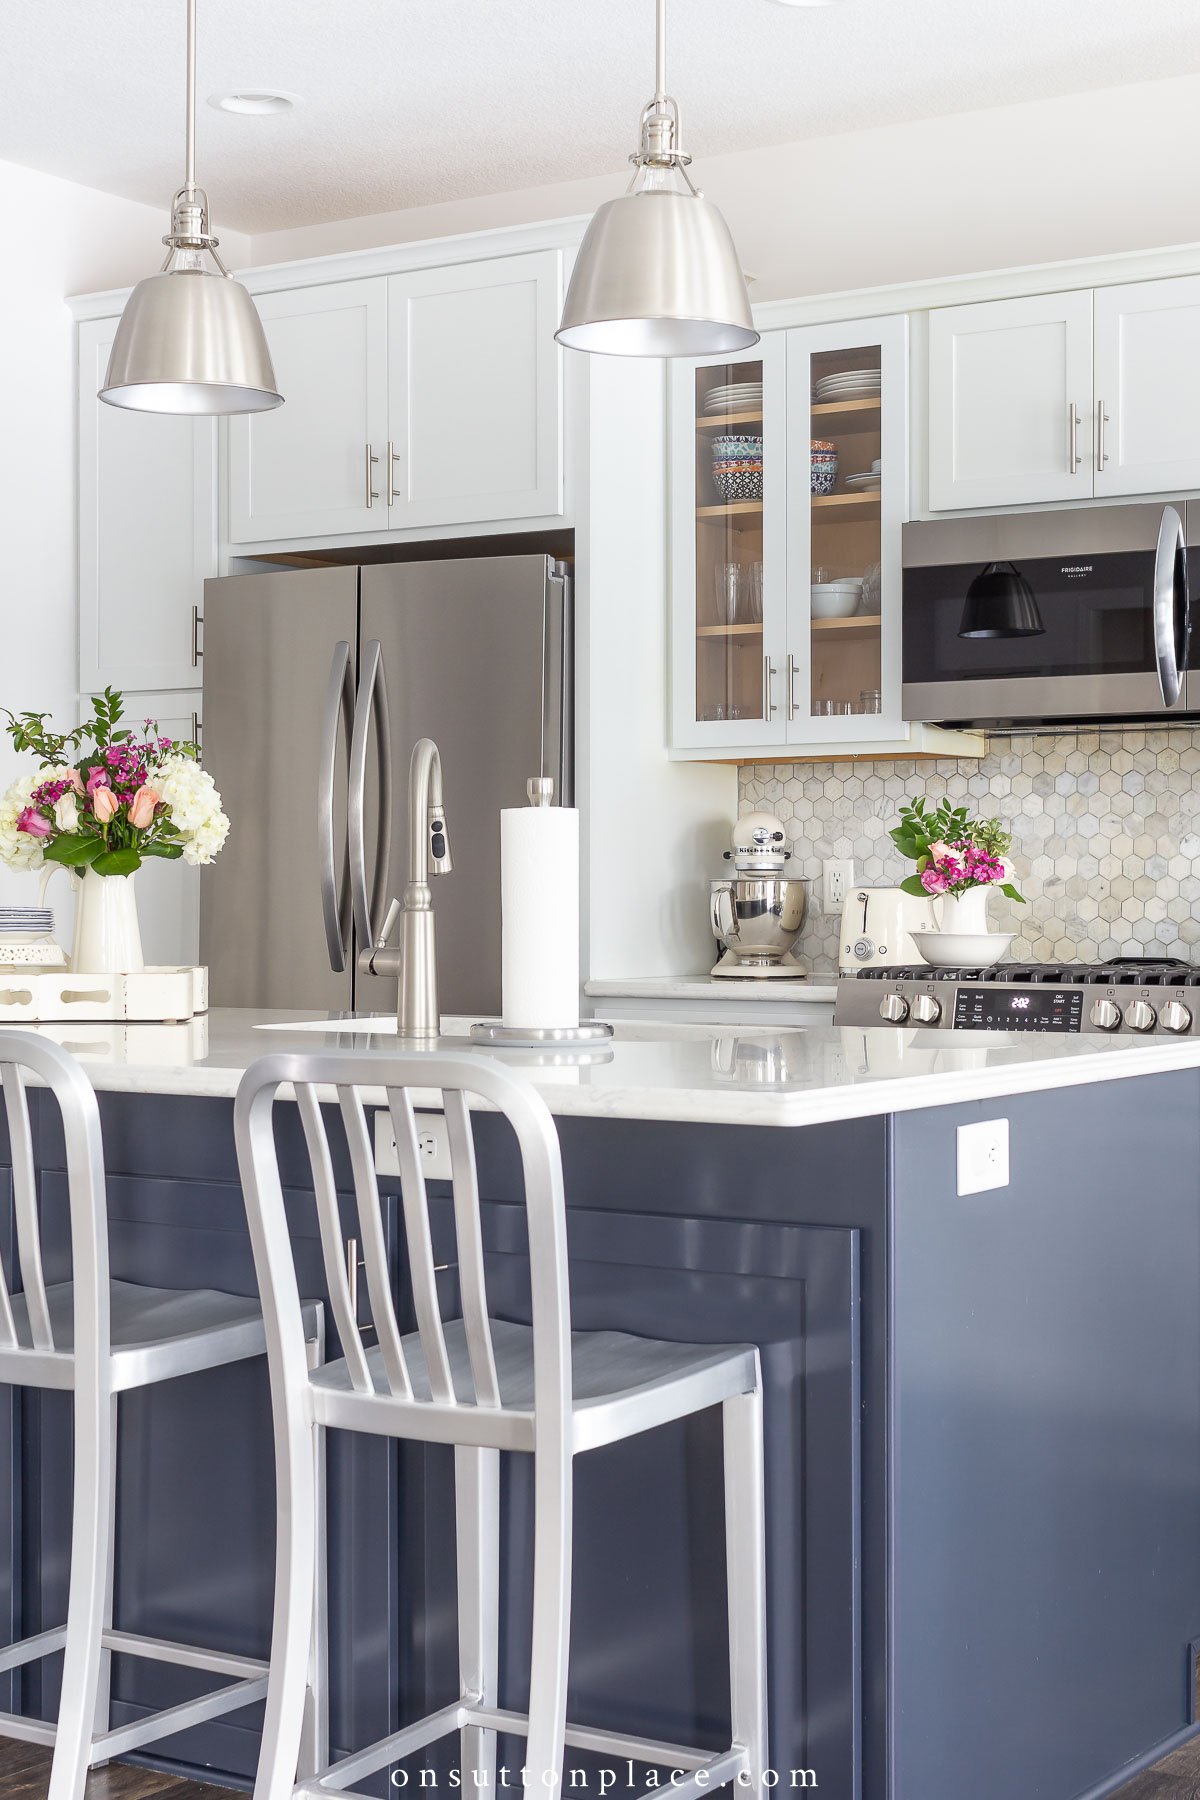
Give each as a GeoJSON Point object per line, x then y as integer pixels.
{"type": "Point", "coordinates": [1129, 996]}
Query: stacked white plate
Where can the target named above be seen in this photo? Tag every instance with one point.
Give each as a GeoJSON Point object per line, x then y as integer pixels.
{"type": "Point", "coordinates": [849, 384]}
{"type": "Point", "coordinates": [735, 396]}
{"type": "Point", "coordinates": [864, 484]}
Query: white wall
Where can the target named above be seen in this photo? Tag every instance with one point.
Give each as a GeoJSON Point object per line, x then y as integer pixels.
{"type": "Point", "coordinates": [1045, 181]}
{"type": "Point", "coordinates": [58, 239]}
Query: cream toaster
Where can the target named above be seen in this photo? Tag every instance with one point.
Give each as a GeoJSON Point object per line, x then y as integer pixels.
{"type": "Point", "coordinates": [877, 928]}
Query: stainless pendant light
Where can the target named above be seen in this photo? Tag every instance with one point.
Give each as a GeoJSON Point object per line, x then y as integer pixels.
{"type": "Point", "coordinates": [657, 273]}
{"type": "Point", "coordinates": [190, 339]}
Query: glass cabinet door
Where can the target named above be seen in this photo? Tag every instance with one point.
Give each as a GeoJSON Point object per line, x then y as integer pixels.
{"type": "Point", "coordinates": [728, 551]}
{"type": "Point", "coordinates": [846, 413]}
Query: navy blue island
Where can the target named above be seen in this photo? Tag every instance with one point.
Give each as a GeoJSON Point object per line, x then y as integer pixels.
{"type": "Point", "coordinates": [982, 1411]}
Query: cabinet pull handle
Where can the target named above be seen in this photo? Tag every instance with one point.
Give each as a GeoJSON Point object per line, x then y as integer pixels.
{"type": "Point", "coordinates": [791, 687]}
{"type": "Point", "coordinates": [197, 652]}
{"type": "Point", "coordinates": [196, 729]}
{"type": "Point", "coordinates": [1102, 419]}
{"type": "Point", "coordinates": [372, 490]}
{"type": "Point", "coordinates": [1073, 439]}
{"type": "Point", "coordinates": [393, 457]}
{"type": "Point", "coordinates": [769, 707]}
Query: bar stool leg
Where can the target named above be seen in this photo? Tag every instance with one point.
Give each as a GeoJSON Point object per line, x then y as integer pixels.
{"type": "Point", "coordinates": [745, 1552]}
{"type": "Point", "coordinates": [104, 1686]}
{"type": "Point", "coordinates": [314, 1739]}
{"type": "Point", "coordinates": [88, 1585]}
{"type": "Point", "coordinates": [551, 1619]}
{"type": "Point", "coordinates": [292, 1630]}
{"type": "Point", "coordinates": [477, 1502]}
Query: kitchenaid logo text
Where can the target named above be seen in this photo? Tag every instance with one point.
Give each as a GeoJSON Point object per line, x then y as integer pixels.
{"type": "Point", "coordinates": [601, 1781]}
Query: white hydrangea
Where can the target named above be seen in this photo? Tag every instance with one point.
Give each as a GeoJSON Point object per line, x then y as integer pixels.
{"type": "Point", "coordinates": [195, 805]}
{"type": "Point", "coordinates": [17, 848]}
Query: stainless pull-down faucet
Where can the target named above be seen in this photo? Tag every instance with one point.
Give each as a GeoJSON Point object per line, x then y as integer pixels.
{"type": "Point", "coordinates": [414, 956]}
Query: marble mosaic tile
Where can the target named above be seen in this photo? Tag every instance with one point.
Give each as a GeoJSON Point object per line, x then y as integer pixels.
{"type": "Point", "coordinates": [1105, 825]}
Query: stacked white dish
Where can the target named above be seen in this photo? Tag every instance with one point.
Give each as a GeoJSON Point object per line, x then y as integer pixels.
{"type": "Point", "coordinates": [847, 384]}
{"type": "Point", "coordinates": [869, 481]}
{"type": "Point", "coordinates": [735, 396]}
{"type": "Point", "coordinates": [836, 599]}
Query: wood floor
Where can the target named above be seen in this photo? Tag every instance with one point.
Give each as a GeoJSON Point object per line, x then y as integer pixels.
{"type": "Point", "coordinates": [25, 1775]}
{"type": "Point", "coordinates": [25, 1772]}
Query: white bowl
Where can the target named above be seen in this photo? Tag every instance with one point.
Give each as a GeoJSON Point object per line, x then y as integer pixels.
{"type": "Point", "coordinates": [962, 949]}
{"type": "Point", "coordinates": [834, 606]}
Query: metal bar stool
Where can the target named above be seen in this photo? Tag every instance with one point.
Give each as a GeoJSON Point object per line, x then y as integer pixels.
{"type": "Point", "coordinates": [484, 1386]}
{"type": "Point", "coordinates": [96, 1338]}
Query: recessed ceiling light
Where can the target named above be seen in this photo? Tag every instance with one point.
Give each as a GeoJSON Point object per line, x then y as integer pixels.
{"type": "Point", "coordinates": [255, 101]}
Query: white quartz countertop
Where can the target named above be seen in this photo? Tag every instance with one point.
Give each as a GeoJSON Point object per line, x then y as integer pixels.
{"type": "Point", "coordinates": [719, 1074]}
{"type": "Point", "coordinates": [708, 987]}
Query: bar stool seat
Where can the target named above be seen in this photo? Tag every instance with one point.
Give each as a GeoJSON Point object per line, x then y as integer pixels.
{"type": "Point", "coordinates": [154, 1334]}
{"type": "Point", "coordinates": [620, 1385]}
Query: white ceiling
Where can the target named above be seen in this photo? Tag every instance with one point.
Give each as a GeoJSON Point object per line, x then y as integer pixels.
{"type": "Point", "coordinates": [416, 101]}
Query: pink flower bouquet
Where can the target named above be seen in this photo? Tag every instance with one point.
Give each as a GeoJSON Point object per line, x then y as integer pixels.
{"type": "Point", "coordinates": [953, 852]}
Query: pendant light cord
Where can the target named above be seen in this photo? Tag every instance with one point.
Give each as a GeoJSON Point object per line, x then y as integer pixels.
{"type": "Point", "coordinates": [660, 45]}
{"type": "Point", "coordinates": [190, 149]}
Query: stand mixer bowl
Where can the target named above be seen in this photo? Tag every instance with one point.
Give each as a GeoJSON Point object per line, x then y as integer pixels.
{"type": "Point", "coordinates": [757, 919]}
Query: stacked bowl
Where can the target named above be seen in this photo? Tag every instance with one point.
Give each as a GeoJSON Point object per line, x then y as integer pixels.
{"type": "Point", "coordinates": [824, 465]}
{"type": "Point", "coordinates": [738, 468]}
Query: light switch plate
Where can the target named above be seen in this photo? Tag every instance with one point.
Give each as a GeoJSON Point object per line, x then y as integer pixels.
{"type": "Point", "coordinates": [983, 1156]}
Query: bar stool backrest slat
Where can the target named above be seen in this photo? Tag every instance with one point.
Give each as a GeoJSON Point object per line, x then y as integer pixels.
{"type": "Point", "coordinates": [454, 1081]}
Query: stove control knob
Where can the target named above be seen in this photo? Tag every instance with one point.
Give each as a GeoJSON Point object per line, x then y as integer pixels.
{"type": "Point", "coordinates": [1140, 1016]}
{"type": "Point", "coordinates": [1175, 1017]}
{"type": "Point", "coordinates": [1106, 1015]}
{"type": "Point", "coordinates": [926, 1010]}
{"type": "Point", "coordinates": [894, 1008]}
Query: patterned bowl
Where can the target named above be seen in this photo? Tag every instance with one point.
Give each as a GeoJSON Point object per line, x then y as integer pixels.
{"type": "Point", "coordinates": [824, 476]}
{"type": "Point", "coordinates": [736, 481]}
{"type": "Point", "coordinates": [736, 449]}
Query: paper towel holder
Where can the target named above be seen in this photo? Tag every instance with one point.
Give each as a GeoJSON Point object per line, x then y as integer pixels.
{"type": "Point", "coordinates": [588, 1034]}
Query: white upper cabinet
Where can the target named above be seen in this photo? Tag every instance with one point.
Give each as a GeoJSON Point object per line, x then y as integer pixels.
{"type": "Point", "coordinates": [1010, 402]}
{"type": "Point", "coordinates": [475, 402]}
{"type": "Point", "coordinates": [414, 400]}
{"type": "Point", "coordinates": [1148, 387]}
{"type": "Point", "coordinates": [306, 470]}
{"type": "Point", "coordinates": [147, 533]}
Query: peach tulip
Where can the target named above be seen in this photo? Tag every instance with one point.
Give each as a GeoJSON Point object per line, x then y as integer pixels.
{"type": "Point", "coordinates": [141, 807]}
{"type": "Point", "coordinates": [104, 804]}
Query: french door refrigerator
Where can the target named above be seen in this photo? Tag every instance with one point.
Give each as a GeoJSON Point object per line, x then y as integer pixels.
{"type": "Point", "coordinates": [317, 684]}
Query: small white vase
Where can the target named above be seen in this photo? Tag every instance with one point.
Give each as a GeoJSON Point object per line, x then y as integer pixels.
{"type": "Point", "coordinates": [964, 913]}
{"type": "Point", "coordinates": [107, 938]}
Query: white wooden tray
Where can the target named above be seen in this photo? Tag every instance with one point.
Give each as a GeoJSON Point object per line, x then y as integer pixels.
{"type": "Point", "coordinates": [152, 995]}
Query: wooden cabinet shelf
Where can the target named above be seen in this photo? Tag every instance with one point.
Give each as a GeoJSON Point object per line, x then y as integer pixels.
{"type": "Point", "coordinates": [748, 510]}
{"type": "Point", "coordinates": [861, 625]}
{"type": "Point", "coordinates": [718, 421]}
{"type": "Point", "coordinates": [849, 415]}
{"type": "Point", "coordinates": [828, 508]}
{"type": "Point", "coordinates": [728, 631]}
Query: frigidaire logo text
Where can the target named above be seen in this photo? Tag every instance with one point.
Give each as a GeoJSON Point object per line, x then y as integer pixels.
{"type": "Point", "coordinates": [1076, 569]}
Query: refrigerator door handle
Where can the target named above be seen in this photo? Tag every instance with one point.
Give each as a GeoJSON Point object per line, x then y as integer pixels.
{"type": "Point", "coordinates": [335, 897]}
{"type": "Point", "coordinates": [558, 698]}
{"type": "Point", "coordinates": [1170, 604]}
{"type": "Point", "coordinates": [372, 705]}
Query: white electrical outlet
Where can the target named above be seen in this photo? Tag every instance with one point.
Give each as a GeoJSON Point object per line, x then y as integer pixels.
{"type": "Point", "coordinates": [837, 878]}
{"type": "Point", "coordinates": [432, 1141]}
{"type": "Point", "coordinates": [983, 1156]}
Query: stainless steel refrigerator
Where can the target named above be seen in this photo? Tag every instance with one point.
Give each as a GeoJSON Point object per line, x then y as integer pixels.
{"type": "Point", "coordinates": [316, 686]}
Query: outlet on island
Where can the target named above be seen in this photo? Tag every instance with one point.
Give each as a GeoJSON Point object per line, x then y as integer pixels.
{"type": "Point", "coordinates": [432, 1141]}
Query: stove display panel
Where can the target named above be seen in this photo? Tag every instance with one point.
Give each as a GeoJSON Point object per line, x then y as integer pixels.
{"type": "Point", "coordinates": [1018, 1009]}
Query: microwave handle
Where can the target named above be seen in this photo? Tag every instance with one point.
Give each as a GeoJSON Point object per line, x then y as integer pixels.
{"type": "Point", "coordinates": [1170, 603]}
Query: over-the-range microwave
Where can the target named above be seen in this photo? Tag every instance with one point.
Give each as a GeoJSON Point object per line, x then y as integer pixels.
{"type": "Point", "coordinates": [1111, 587]}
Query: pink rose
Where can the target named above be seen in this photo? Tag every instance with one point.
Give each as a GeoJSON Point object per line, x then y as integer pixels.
{"type": "Point", "coordinates": [142, 806]}
{"type": "Point", "coordinates": [104, 803]}
{"type": "Point", "coordinates": [75, 779]}
{"type": "Point", "coordinates": [938, 851]}
{"type": "Point", "coordinates": [98, 778]}
{"type": "Point", "coordinates": [32, 823]}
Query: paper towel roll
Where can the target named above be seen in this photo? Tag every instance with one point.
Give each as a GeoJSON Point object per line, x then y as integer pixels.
{"type": "Point", "coordinates": [539, 863]}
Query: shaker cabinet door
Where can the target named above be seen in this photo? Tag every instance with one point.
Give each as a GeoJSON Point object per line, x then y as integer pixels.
{"type": "Point", "coordinates": [147, 533]}
{"type": "Point", "coordinates": [475, 403]}
{"type": "Point", "coordinates": [1148, 387]}
{"type": "Point", "coordinates": [316, 466]}
{"type": "Point", "coordinates": [1010, 402]}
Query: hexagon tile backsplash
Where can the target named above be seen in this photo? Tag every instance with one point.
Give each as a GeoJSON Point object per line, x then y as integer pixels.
{"type": "Point", "coordinates": [1106, 836]}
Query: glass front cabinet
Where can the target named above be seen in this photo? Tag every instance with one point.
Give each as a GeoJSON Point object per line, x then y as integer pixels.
{"type": "Point", "coordinates": [788, 491]}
